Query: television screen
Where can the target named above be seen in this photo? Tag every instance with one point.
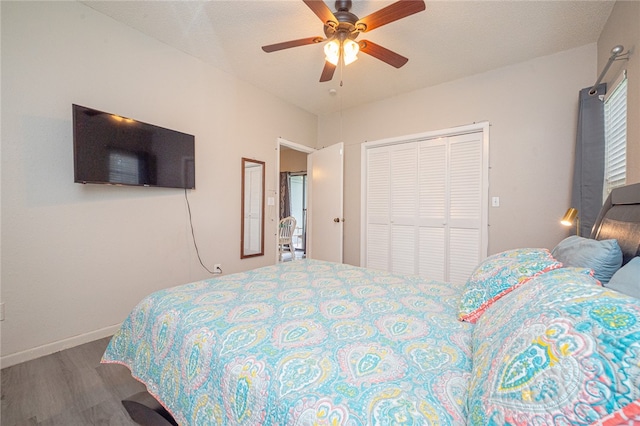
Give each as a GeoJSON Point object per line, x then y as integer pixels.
{"type": "Point", "coordinates": [111, 149]}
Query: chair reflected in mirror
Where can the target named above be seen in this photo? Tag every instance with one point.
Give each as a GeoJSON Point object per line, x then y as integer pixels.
{"type": "Point", "coordinates": [286, 228]}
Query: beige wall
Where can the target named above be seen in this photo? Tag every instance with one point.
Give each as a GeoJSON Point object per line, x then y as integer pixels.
{"type": "Point", "coordinates": [532, 110]}
{"type": "Point", "coordinates": [292, 160]}
{"type": "Point", "coordinates": [76, 258]}
{"type": "Point", "coordinates": [623, 27]}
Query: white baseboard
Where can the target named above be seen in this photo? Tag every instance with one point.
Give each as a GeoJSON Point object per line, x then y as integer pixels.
{"type": "Point", "coordinates": [60, 345]}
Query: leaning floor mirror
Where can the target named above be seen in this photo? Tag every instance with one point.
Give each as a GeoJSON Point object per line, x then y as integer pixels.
{"type": "Point", "coordinates": [252, 227]}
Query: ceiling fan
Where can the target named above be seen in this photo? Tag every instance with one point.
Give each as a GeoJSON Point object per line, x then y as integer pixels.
{"type": "Point", "coordinates": [342, 27]}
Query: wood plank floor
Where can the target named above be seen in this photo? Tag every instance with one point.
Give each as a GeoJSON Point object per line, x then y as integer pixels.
{"type": "Point", "coordinates": [69, 388]}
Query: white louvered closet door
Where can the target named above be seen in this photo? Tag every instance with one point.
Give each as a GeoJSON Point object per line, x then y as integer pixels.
{"type": "Point", "coordinates": [377, 228]}
{"type": "Point", "coordinates": [403, 202]}
{"type": "Point", "coordinates": [432, 215]}
{"type": "Point", "coordinates": [465, 206]}
{"type": "Point", "coordinates": [424, 206]}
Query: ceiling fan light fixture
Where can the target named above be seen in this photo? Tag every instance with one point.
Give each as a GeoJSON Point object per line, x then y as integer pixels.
{"type": "Point", "coordinates": [332, 52]}
{"type": "Point", "coordinates": [342, 27]}
{"type": "Point", "coordinates": [350, 51]}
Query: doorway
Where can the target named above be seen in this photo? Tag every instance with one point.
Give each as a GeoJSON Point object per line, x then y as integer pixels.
{"type": "Point", "coordinates": [294, 193]}
{"type": "Point", "coordinates": [324, 221]}
{"type": "Point", "coordinates": [298, 208]}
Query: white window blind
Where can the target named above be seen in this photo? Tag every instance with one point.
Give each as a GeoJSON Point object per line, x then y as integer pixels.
{"type": "Point", "coordinates": [615, 136]}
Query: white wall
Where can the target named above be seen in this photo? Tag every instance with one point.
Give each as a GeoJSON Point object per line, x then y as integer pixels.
{"type": "Point", "coordinates": [76, 258]}
{"type": "Point", "coordinates": [532, 109]}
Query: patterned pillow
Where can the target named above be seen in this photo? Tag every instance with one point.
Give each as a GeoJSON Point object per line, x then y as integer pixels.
{"type": "Point", "coordinates": [499, 274]}
{"type": "Point", "coordinates": [560, 350]}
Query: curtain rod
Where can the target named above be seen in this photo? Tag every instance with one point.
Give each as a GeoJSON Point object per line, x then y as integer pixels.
{"type": "Point", "coordinates": [616, 54]}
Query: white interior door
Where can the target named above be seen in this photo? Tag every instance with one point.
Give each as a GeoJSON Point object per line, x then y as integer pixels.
{"type": "Point", "coordinates": [325, 205]}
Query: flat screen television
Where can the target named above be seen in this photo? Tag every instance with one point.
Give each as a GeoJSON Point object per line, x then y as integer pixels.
{"type": "Point", "coordinates": [111, 149]}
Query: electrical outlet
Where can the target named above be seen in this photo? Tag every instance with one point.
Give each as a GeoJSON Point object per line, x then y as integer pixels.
{"type": "Point", "coordinates": [217, 268]}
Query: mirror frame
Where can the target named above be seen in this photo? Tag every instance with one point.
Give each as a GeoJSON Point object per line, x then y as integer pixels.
{"type": "Point", "coordinates": [246, 163]}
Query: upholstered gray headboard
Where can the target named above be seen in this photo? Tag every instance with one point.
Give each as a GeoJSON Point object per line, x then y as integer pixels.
{"type": "Point", "coordinates": [620, 219]}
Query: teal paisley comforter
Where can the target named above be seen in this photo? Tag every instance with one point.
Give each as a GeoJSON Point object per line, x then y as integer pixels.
{"type": "Point", "coordinates": [302, 343]}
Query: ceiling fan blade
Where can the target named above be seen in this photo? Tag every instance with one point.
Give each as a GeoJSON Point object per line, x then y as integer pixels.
{"type": "Point", "coordinates": [382, 53]}
{"type": "Point", "coordinates": [321, 10]}
{"type": "Point", "coordinates": [327, 72]}
{"type": "Point", "coordinates": [393, 12]}
{"type": "Point", "coordinates": [292, 43]}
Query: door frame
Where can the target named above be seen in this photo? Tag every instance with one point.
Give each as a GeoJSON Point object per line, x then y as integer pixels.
{"type": "Point", "coordinates": [280, 142]}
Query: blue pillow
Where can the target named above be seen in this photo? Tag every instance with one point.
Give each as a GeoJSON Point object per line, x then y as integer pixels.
{"type": "Point", "coordinates": [627, 279]}
{"type": "Point", "coordinates": [604, 257]}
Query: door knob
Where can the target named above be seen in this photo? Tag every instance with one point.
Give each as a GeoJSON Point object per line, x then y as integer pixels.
{"type": "Point", "coordinates": [336, 219]}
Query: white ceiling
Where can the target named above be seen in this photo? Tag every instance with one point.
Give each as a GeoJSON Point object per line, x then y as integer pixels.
{"type": "Point", "coordinates": [450, 40]}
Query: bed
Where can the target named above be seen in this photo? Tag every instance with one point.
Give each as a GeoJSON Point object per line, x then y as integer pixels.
{"type": "Point", "coordinates": [533, 337]}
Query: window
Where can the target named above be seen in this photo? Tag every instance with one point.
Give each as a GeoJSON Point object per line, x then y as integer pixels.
{"type": "Point", "coordinates": [615, 136]}
{"type": "Point", "coordinates": [124, 167]}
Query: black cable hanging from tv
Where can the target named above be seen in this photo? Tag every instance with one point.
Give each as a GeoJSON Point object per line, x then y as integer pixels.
{"type": "Point", "coordinates": [193, 235]}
